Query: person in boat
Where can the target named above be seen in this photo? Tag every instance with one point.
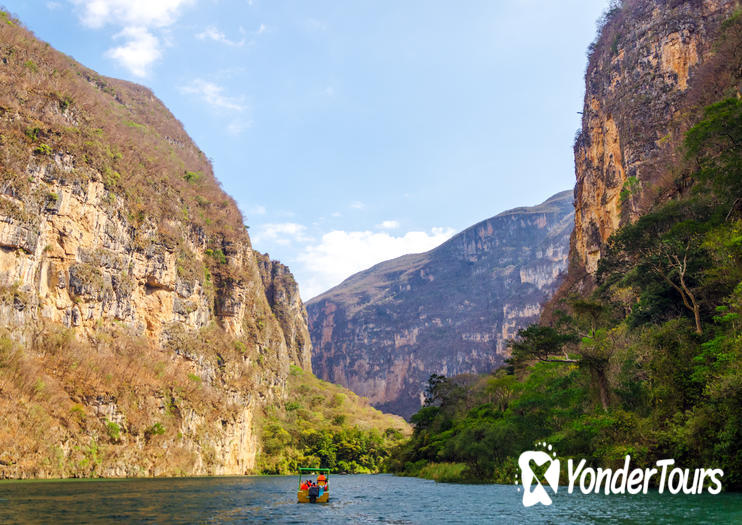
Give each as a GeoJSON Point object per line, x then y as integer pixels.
{"type": "Point", "coordinates": [322, 481]}
{"type": "Point", "coordinates": [313, 492]}
{"type": "Point", "coordinates": [305, 485]}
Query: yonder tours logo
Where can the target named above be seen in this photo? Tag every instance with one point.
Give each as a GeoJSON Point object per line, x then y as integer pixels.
{"type": "Point", "coordinates": [540, 470]}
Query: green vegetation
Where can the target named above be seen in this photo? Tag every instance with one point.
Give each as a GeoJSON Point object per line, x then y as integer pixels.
{"type": "Point", "coordinates": [650, 364]}
{"type": "Point", "coordinates": [321, 424]}
{"type": "Point", "coordinates": [217, 254]}
{"type": "Point", "coordinates": [136, 125]}
{"type": "Point", "coordinates": [64, 102]}
{"type": "Point", "coordinates": [630, 188]}
{"type": "Point", "coordinates": [155, 430]}
{"type": "Point", "coordinates": [114, 431]}
{"type": "Point", "coordinates": [111, 178]}
{"type": "Point", "coordinates": [6, 18]}
{"type": "Point", "coordinates": [33, 133]}
{"type": "Point", "coordinates": [192, 176]}
{"type": "Point", "coordinates": [443, 472]}
{"type": "Point", "coordinates": [43, 149]}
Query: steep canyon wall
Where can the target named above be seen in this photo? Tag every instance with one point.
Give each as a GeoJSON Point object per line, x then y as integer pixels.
{"type": "Point", "coordinates": [384, 331]}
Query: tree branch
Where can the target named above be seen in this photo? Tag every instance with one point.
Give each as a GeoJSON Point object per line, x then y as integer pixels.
{"type": "Point", "coordinates": [552, 360]}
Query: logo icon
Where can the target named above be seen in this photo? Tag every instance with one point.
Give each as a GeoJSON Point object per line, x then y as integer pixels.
{"type": "Point", "coordinates": [534, 490]}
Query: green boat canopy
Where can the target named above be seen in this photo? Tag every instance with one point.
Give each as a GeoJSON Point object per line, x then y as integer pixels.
{"type": "Point", "coordinates": [303, 471]}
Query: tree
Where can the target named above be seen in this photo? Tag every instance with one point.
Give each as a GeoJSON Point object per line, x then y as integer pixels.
{"type": "Point", "coordinates": [597, 344]}
{"type": "Point", "coordinates": [590, 311]}
{"type": "Point", "coordinates": [596, 350]}
{"type": "Point", "coordinates": [435, 390]}
{"type": "Point", "coordinates": [543, 343]}
{"type": "Point", "coordinates": [714, 145]}
{"type": "Point", "coordinates": [665, 245]}
{"type": "Point", "coordinates": [667, 263]}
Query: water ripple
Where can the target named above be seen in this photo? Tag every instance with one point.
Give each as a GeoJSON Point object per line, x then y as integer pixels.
{"type": "Point", "coordinates": [355, 499]}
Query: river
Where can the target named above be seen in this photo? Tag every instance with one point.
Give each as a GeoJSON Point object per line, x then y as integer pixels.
{"type": "Point", "coordinates": [355, 499]}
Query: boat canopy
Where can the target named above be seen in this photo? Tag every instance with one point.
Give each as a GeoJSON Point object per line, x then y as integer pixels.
{"type": "Point", "coordinates": [304, 470]}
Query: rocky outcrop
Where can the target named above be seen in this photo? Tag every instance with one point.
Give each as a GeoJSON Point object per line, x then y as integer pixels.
{"type": "Point", "coordinates": [137, 324]}
{"type": "Point", "coordinates": [283, 296]}
{"type": "Point", "coordinates": [384, 331]}
{"type": "Point", "coordinates": [637, 81]}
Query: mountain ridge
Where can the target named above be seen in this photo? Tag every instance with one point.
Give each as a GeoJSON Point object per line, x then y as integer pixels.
{"type": "Point", "coordinates": [412, 257]}
{"type": "Point", "coordinates": [140, 333]}
{"type": "Point", "coordinates": [389, 322]}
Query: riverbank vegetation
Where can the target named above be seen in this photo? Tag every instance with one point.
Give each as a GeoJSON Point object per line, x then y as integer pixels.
{"type": "Point", "coordinates": [322, 424]}
{"type": "Point", "coordinates": [649, 364]}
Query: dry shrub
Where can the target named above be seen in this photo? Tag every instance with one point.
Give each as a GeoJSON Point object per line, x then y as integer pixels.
{"type": "Point", "coordinates": [53, 390]}
{"type": "Point", "coordinates": [114, 131]}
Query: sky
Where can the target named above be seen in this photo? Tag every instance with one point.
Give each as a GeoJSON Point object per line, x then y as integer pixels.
{"type": "Point", "coordinates": [352, 132]}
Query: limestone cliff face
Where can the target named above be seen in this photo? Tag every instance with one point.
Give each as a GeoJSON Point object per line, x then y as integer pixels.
{"type": "Point", "coordinates": [382, 332]}
{"type": "Point", "coordinates": [637, 79]}
{"type": "Point", "coordinates": [137, 324]}
{"type": "Point", "coordinates": [80, 261]}
{"type": "Point", "coordinates": [283, 296]}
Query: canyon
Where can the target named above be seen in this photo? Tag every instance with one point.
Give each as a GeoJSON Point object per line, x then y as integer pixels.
{"type": "Point", "coordinates": [140, 332]}
{"type": "Point", "coordinates": [384, 331]}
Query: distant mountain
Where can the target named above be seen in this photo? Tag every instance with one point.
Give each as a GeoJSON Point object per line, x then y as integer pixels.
{"type": "Point", "coordinates": [383, 331]}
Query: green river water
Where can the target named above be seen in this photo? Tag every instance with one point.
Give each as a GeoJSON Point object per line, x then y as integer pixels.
{"type": "Point", "coordinates": [354, 499]}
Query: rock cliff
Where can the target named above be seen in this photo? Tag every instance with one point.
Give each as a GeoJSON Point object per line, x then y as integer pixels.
{"type": "Point", "coordinates": [282, 292]}
{"type": "Point", "coordinates": [638, 87]}
{"type": "Point", "coordinates": [140, 334]}
{"type": "Point", "coordinates": [382, 332]}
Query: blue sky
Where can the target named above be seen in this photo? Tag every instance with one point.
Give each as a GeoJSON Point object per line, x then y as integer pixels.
{"type": "Point", "coordinates": [351, 132]}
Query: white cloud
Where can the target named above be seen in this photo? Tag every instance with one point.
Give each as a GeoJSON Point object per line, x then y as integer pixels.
{"type": "Point", "coordinates": [141, 13]}
{"type": "Point", "coordinates": [357, 205]}
{"type": "Point", "coordinates": [53, 5]}
{"type": "Point", "coordinates": [212, 33]}
{"type": "Point", "coordinates": [213, 95]}
{"type": "Point", "coordinates": [340, 254]}
{"type": "Point", "coordinates": [388, 225]}
{"type": "Point", "coordinates": [257, 210]}
{"type": "Point", "coordinates": [283, 233]}
{"type": "Point", "coordinates": [141, 49]}
{"type": "Point", "coordinates": [138, 22]}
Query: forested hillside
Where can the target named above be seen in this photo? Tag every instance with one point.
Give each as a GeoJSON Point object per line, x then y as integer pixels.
{"type": "Point", "coordinates": [648, 361]}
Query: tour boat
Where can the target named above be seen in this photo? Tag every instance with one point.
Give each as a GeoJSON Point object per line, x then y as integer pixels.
{"type": "Point", "coordinates": [319, 492]}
